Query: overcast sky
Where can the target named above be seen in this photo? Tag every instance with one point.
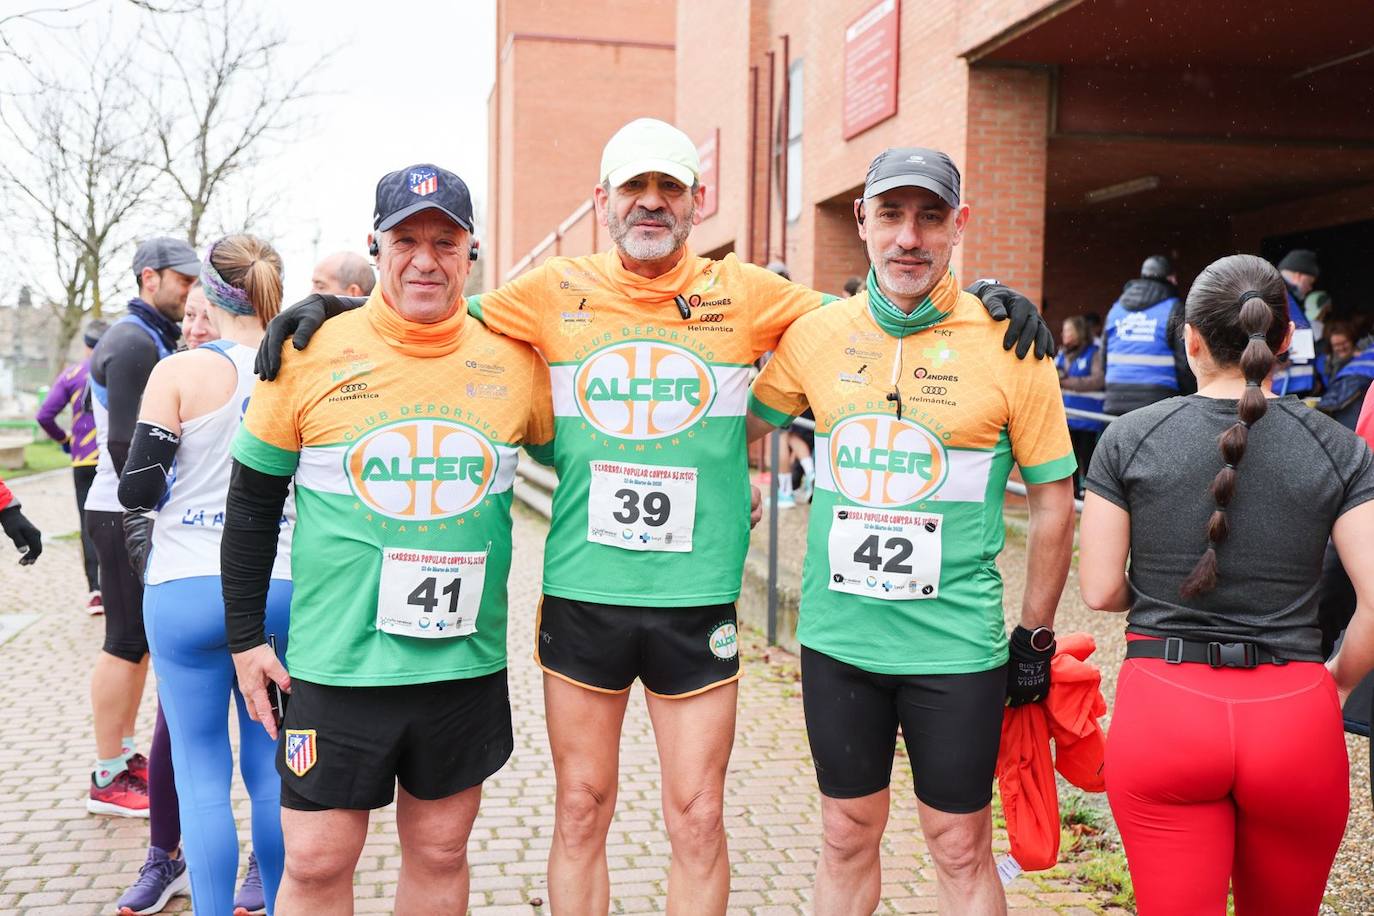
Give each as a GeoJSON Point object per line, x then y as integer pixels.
{"type": "Point", "coordinates": [408, 84]}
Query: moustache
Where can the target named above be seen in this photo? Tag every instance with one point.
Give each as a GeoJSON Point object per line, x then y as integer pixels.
{"type": "Point", "coordinates": [914, 254]}
{"type": "Point", "coordinates": [656, 217]}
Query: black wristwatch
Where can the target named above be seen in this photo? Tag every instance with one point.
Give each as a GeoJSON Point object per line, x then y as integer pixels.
{"type": "Point", "coordinates": [1041, 639]}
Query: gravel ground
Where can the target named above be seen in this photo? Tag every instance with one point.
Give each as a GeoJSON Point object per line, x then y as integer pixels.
{"type": "Point", "coordinates": [1350, 890]}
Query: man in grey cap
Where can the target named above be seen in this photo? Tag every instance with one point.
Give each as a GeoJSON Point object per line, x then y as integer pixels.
{"type": "Point", "coordinates": [901, 620]}
{"type": "Point", "coordinates": [124, 782]}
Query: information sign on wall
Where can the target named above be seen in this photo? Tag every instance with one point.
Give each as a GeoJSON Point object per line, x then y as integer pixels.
{"type": "Point", "coordinates": [870, 67]}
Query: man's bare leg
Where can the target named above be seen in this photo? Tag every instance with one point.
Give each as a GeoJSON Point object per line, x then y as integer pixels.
{"type": "Point", "coordinates": [849, 879]}
{"type": "Point", "coordinates": [584, 735]}
{"type": "Point", "coordinates": [695, 736]}
{"type": "Point", "coordinates": [434, 852]}
{"type": "Point", "coordinates": [322, 849]}
{"type": "Point", "coordinates": [966, 879]}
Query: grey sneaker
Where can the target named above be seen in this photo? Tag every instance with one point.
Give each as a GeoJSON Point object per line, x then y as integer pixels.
{"type": "Point", "coordinates": [249, 901]}
{"type": "Point", "coordinates": [160, 878]}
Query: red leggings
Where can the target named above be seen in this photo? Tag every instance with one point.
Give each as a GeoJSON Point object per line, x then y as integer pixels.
{"type": "Point", "coordinates": [1227, 776]}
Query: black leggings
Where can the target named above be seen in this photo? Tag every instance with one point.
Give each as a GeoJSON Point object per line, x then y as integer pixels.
{"type": "Point", "coordinates": [120, 589]}
{"type": "Point", "coordinates": [952, 724]}
{"type": "Point", "coordinates": [84, 475]}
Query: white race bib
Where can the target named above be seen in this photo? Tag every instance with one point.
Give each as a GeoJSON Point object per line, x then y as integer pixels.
{"type": "Point", "coordinates": [430, 594]}
{"type": "Point", "coordinates": [641, 506]}
{"type": "Point", "coordinates": [1303, 347]}
{"type": "Point", "coordinates": [885, 554]}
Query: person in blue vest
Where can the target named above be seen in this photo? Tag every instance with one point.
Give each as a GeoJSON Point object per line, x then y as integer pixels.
{"type": "Point", "coordinates": [1345, 392]}
{"type": "Point", "coordinates": [1146, 360]}
{"type": "Point", "coordinates": [1296, 374]}
{"type": "Point", "coordinates": [1082, 379]}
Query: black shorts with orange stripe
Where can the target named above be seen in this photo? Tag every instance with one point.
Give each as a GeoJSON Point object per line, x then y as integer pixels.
{"type": "Point", "coordinates": [674, 651]}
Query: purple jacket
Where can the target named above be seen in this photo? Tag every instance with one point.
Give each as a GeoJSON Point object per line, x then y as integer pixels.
{"type": "Point", "coordinates": [69, 390]}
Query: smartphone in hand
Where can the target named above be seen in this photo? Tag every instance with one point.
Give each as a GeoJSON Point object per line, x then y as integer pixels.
{"type": "Point", "coordinates": [274, 693]}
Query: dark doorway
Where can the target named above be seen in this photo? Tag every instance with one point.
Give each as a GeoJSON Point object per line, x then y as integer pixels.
{"type": "Point", "coordinates": [1344, 252]}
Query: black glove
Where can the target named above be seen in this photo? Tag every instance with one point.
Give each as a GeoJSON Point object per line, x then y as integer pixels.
{"type": "Point", "coordinates": [299, 322]}
{"type": "Point", "coordinates": [138, 537]}
{"type": "Point", "coordinates": [1028, 669]}
{"type": "Point", "coordinates": [20, 530]}
{"type": "Point", "coordinates": [1026, 327]}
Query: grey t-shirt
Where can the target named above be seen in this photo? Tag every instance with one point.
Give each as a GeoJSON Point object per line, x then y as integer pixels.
{"type": "Point", "coordinates": [1300, 472]}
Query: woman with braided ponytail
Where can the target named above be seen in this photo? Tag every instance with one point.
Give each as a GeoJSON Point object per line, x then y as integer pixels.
{"type": "Point", "coordinates": [1226, 764]}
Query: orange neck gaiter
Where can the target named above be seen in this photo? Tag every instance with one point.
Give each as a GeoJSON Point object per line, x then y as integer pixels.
{"type": "Point", "coordinates": [412, 337]}
{"type": "Point", "coordinates": [643, 289]}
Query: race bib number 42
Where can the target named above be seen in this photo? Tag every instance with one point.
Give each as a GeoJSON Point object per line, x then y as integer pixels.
{"type": "Point", "coordinates": [430, 594]}
{"type": "Point", "coordinates": [885, 554]}
{"type": "Point", "coordinates": [641, 506]}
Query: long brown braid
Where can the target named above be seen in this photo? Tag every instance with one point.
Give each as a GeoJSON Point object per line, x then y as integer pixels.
{"type": "Point", "coordinates": [1239, 306]}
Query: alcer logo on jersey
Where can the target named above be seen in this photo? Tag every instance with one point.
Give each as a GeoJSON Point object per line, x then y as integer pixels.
{"type": "Point", "coordinates": [643, 390]}
{"type": "Point", "coordinates": [879, 460]}
{"type": "Point", "coordinates": [421, 469]}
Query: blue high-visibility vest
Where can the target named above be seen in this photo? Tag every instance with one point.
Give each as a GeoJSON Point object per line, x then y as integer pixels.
{"type": "Point", "coordinates": [1361, 364]}
{"type": "Point", "coordinates": [1138, 351]}
{"type": "Point", "coordinates": [1298, 377]}
{"type": "Point", "coordinates": [1082, 367]}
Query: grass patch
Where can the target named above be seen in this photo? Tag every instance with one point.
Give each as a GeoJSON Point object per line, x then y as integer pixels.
{"type": "Point", "coordinates": [1107, 871]}
{"type": "Point", "coordinates": [39, 457]}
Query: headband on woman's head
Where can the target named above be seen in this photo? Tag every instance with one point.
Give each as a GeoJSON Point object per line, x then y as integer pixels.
{"type": "Point", "coordinates": [220, 293]}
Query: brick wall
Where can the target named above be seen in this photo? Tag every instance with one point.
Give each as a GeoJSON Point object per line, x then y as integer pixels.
{"type": "Point", "coordinates": [1004, 176]}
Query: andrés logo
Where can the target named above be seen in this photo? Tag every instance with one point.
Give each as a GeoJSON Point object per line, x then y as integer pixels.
{"type": "Point", "coordinates": [882, 461]}
{"type": "Point", "coordinates": [421, 469]}
{"type": "Point", "coordinates": [643, 390]}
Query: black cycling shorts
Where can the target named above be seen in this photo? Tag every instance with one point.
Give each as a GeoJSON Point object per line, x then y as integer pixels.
{"type": "Point", "coordinates": [120, 590]}
{"type": "Point", "coordinates": [952, 724]}
{"type": "Point", "coordinates": [674, 651]}
{"type": "Point", "coordinates": [347, 747]}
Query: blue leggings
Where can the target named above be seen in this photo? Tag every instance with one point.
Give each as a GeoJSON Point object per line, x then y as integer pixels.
{"type": "Point", "coordinates": [184, 619]}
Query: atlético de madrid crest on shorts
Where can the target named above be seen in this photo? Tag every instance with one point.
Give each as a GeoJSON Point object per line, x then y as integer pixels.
{"type": "Point", "coordinates": [423, 182]}
{"type": "Point", "coordinates": [300, 750]}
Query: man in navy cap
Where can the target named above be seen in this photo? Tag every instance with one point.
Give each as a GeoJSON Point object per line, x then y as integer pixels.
{"type": "Point", "coordinates": [400, 427]}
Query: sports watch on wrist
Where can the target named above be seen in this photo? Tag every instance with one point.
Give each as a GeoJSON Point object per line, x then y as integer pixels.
{"type": "Point", "coordinates": [1041, 639]}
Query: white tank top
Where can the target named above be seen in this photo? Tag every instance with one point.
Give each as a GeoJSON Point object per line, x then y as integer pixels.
{"type": "Point", "coordinates": [190, 520]}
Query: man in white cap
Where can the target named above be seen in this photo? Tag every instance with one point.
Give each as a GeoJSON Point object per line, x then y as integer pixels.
{"type": "Point", "coordinates": [650, 349]}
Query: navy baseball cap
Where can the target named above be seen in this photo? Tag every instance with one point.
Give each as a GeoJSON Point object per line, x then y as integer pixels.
{"type": "Point", "coordinates": [165, 252]}
{"type": "Point", "coordinates": [913, 167]}
{"type": "Point", "coordinates": [421, 187]}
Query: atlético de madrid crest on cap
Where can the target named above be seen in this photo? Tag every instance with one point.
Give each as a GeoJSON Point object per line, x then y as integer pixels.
{"type": "Point", "coordinates": [423, 181]}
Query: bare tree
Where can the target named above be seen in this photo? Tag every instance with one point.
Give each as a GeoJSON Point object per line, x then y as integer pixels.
{"type": "Point", "coordinates": [78, 179]}
{"type": "Point", "coordinates": [221, 104]}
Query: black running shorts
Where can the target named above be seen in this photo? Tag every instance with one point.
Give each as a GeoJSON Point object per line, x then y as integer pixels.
{"type": "Point", "coordinates": [674, 651]}
{"type": "Point", "coordinates": [347, 747]}
{"type": "Point", "coordinates": [952, 724]}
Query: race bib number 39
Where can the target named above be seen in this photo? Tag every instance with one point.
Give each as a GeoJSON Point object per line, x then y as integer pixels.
{"type": "Point", "coordinates": [641, 506]}
{"type": "Point", "coordinates": [885, 554]}
{"type": "Point", "coordinates": [430, 594]}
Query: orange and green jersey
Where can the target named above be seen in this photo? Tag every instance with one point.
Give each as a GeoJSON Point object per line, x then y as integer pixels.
{"type": "Point", "coordinates": [652, 505]}
{"type": "Point", "coordinates": [402, 439]}
{"type": "Point", "coordinates": [906, 521]}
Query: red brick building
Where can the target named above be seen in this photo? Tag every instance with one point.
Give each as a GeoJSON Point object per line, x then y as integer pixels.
{"type": "Point", "coordinates": [1090, 133]}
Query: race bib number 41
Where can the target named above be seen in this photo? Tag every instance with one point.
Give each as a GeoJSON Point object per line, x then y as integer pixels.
{"type": "Point", "coordinates": [885, 554]}
{"type": "Point", "coordinates": [641, 506]}
{"type": "Point", "coordinates": [430, 594]}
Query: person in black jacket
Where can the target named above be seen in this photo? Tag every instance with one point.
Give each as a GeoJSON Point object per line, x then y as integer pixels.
{"type": "Point", "coordinates": [1145, 328]}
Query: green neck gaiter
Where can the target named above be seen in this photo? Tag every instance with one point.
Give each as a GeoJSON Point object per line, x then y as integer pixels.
{"type": "Point", "coordinates": [892, 319]}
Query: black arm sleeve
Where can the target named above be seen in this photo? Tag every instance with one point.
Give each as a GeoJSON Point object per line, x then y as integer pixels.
{"type": "Point", "coordinates": [124, 364]}
{"type": "Point", "coordinates": [252, 521]}
{"type": "Point", "coordinates": [143, 482]}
